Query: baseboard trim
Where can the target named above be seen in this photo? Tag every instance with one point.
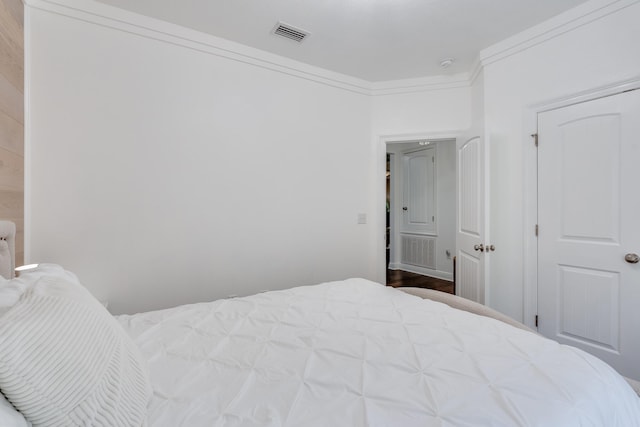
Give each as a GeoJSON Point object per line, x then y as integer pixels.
{"type": "Point", "coordinates": [438, 274]}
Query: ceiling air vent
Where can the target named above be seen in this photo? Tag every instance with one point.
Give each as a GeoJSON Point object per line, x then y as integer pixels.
{"type": "Point", "coordinates": [290, 32]}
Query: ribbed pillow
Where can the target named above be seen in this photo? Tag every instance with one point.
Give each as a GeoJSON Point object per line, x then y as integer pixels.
{"type": "Point", "coordinates": [10, 292]}
{"type": "Point", "coordinates": [9, 417]}
{"type": "Point", "coordinates": [65, 361]}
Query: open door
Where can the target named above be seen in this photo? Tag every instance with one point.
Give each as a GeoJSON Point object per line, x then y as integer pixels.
{"type": "Point", "coordinates": [471, 223]}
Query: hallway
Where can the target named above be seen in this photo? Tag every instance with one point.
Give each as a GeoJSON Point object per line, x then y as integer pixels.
{"type": "Point", "coordinates": [399, 278]}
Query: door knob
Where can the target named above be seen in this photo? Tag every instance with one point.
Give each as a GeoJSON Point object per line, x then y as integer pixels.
{"type": "Point", "coordinates": [404, 208]}
{"type": "Point", "coordinates": [632, 258]}
{"type": "Point", "coordinates": [491, 248]}
{"type": "Point", "coordinates": [479, 247]}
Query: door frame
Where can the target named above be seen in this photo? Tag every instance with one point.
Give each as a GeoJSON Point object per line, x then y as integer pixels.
{"type": "Point", "coordinates": [381, 188]}
{"type": "Point", "coordinates": [530, 187]}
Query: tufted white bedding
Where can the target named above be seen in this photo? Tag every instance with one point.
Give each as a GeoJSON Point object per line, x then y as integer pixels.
{"type": "Point", "coordinates": [356, 353]}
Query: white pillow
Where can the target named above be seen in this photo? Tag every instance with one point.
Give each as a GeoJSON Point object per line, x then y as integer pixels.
{"type": "Point", "coordinates": [64, 360]}
{"type": "Point", "coordinates": [12, 290]}
{"type": "Point", "coordinates": [9, 417]}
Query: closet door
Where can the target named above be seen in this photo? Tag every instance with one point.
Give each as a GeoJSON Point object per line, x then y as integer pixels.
{"type": "Point", "coordinates": [589, 228]}
{"type": "Point", "coordinates": [419, 198]}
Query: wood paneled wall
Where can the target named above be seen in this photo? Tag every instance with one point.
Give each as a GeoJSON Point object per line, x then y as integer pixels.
{"type": "Point", "coordinates": [12, 118]}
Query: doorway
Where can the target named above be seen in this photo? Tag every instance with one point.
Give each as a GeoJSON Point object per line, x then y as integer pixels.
{"type": "Point", "coordinates": [420, 213]}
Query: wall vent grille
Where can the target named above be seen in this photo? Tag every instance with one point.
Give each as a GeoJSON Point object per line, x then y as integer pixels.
{"type": "Point", "coordinates": [290, 32]}
{"type": "Point", "coordinates": [419, 251]}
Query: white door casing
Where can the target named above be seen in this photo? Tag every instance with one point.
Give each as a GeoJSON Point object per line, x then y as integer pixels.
{"type": "Point", "coordinates": [588, 215]}
{"type": "Point", "coordinates": [471, 238]}
{"type": "Point", "coordinates": [419, 195]}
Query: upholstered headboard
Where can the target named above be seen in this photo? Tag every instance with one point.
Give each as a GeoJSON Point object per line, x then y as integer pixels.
{"type": "Point", "coordinates": [7, 249]}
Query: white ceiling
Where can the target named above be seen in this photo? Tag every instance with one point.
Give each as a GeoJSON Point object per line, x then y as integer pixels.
{"type": "Point", "coordinates": [374, 40]}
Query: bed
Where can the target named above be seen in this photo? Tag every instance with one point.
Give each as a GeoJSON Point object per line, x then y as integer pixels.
{"type": "Point", "coordinates": [347, 353]}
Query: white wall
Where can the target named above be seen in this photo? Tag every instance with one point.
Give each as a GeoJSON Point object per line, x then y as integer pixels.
{"type": "Point", "coordinates": [446, 164]}
{"type": "Point", "coordinates": [598, 53]}
{"type": "Point", "coordinates": [429, 111]}
{"type": "Point", "coordinates": [163, 175]}
{"type": "Point", "coordinates": [477, 101]}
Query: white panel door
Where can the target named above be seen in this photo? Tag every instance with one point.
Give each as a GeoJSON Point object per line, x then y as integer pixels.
{"type": "Point", "coordinates": [589, 218]}
{"type": "Point", "coordinates": [471, 257]}
{"type": "Point", "coordinates": [419, 198]}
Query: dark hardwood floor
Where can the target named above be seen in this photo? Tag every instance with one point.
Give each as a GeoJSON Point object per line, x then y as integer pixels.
{"type": "Point", "coordinates": [399, 278]}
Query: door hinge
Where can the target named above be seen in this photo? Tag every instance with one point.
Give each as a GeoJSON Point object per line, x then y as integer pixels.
{"type": "Point", "coordinates": [433, 159]}
{"type": "Point", "coordinates": [537, 229]}
{"type": "Point", "coordinates": [535, 138]}
{"type": "Point", "coordinates": [536, 320]}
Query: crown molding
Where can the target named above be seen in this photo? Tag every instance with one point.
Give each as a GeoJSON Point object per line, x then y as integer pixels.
{"type": "Point", "coordinates": [122, 20]}
{"type": "Point", "coordinates": [422, 84]}
{"type": "Point", "coordinates": [570, 20]}
{"type": "Point", "coordinates": [118, 19]}
{"type": "Point", "coordinates": [115, 18]}
{"type": "Point", "coordinates": [476, 70]}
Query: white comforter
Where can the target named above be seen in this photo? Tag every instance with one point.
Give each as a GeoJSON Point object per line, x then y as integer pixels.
{"type": "Point", "coordinates": [356, 353]}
